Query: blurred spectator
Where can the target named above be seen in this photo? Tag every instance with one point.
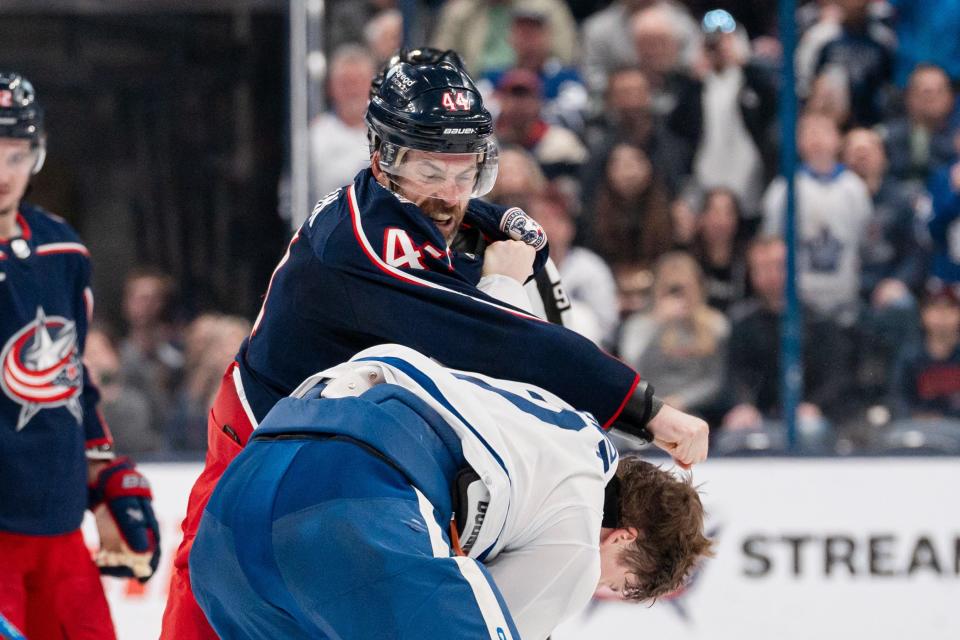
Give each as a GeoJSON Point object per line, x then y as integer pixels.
{"type": "Point", "coordinates": [753, 371]}
{"type": "Point", "coordinates": [338, 138]}
{"type": "Point", "coordinates": [819, 22]}
{"type": "Point", "coordinates": [830, 96]}
{"type": "Point", "coordinates": [922, 140]}
{"type": "Point", "coordinates": [659, 36]}
{"type": "Point", "coordinates": [634, 289]}
{"type": "Point", "coordinates": [739, 103]}
{"type": "Point", "coordinates": [627, 111]}
{"type": "Point", "coordinates": [813, 12]}
{"type": "Point", "coordinates": [564, 95]}
{"type": "Point", "coordinates": [892, 258]}
{"type": "Point", "coordinates": [519, 179]}
{"type": "Point", "coordinates": [685, 217]}
{"type": "Point", "coordinates": [893, 266]}
{"type": "Point", "coordinates": [943, 224]}
{"type": "Point", "coordinates": [383, 34]}
{"type": "Point", "coordinates": [927, 33]}
{"type": "Point", "coordinates": [479, 31]}
{"type": "Point", "coordinates": [150, 360]}
{"type": "Point", "coordinates": [520, 122]}
{"type": "Point", "coordinates": [627, 116]}
{"type": "Point", "coordinates": [833, 211]}
{"type": "Point", "coordinates": [348, 20]}
{"type": "Point", "coordinates": [717, 249]}
{"type": "Point", "coordinates": [125, 408]}
{"type": "Point", "coordinates": [675, 93]}
{"type": "Point", "coordinates": [863, 51]}
{"type": "Point", "coordinates": [629, 222]}
{"type": "Point", "coordinates": [587, 279]}
{"type": "Point", "coordinates": [609, 44]}
{"type": "Point", "coordinates": [681, 342]}
{"type": "Point", "coordinates": [927, 380]}
{"type": "Point", "coordinates": [211, 341]}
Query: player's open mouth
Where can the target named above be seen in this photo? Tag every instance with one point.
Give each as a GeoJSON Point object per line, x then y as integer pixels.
{"type": "Point", "coordinates": [443, 222]}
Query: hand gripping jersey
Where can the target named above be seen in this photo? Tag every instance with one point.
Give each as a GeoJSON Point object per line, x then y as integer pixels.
{"type": "Point", "coordinates": [48, 414]}
{"type": "Point", "coordinates": [369, 268]}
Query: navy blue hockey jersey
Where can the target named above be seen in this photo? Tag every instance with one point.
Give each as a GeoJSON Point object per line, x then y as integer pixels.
{"type": "Point", "coordinates": [48, 414]}
{"type": "Point", "coordinates": [368, 267]}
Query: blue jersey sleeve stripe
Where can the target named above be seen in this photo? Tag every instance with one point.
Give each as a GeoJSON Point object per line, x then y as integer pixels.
{"type": "Point", "coordinates": [565, 418]}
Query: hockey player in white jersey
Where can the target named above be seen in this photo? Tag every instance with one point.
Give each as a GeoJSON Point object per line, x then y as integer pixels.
{"type": "Point", "coordinates": [390, 497]}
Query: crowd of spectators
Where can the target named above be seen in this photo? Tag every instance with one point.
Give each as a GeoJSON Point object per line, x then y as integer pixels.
{"type": "Point", "coordinates": [644, 136]}
{"type": "Point", "coordinates": [646, 141]}
{"type": "Point", "coordinates": [157, 376]}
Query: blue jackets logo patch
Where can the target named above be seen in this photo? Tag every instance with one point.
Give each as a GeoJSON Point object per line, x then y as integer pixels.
{"type": "Point", "coordinates": [519, 226]}
{"type": "Point", "coordinates": [41, 367]}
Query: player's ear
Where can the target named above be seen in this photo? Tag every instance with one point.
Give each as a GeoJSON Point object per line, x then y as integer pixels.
{"type": "Point", "coordinates": [624, 535]}
{"type": "Point", "coordinates": [627, 534]}
{"type": "Point", "coordinates": [378, 173]}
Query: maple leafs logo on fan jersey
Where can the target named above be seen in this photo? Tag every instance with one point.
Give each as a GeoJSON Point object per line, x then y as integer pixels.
{"type": "Point", "coordinates": [41, 367]}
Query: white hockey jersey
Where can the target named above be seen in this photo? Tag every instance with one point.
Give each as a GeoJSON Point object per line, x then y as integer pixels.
{"type": "Point", "coordinates": [544, 467]}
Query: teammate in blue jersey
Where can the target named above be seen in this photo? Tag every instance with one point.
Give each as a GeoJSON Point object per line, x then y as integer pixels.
{"type": "Point", "coordinates": [390, 497]}
{"type": "Point", "coordinates": [56, 455]}
{"type": "Point", "coordinates": [375, 263]}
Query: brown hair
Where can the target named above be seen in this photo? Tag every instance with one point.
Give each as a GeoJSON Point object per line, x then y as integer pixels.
{"type": "Point", "coordinates": [668, 515]}
{"type": "Point", "coordinates": [631, 230]}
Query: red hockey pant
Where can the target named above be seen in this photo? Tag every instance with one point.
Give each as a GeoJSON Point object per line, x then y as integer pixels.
{"type": "Point", "coordinates": [183, 619]}
{"type": "Point", "coordinates": [50, 588]}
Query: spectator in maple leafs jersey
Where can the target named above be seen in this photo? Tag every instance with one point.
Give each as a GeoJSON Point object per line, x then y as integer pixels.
{"type": "Point", "coordinates": [53, 441]}
{"type": "Point", "coordinates": [833, 211]}
{"type": "Point", "coordinates": [376, 262]}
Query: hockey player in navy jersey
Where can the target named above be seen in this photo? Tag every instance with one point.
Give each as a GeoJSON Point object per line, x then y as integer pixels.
{"type": "Point", "coordinates": [390, 497]}
{"type": "Point", "coordinates": [56, 455]}
{"type": "Point", "coordinates": [374, 264]}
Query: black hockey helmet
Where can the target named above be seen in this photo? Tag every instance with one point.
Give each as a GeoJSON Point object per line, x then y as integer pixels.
{"type": "Point", "coordinates": [20, 116]}
{"type": "Point", "coordinates": [423, 55]}
{"type": "Point", "coordinates": [423, 100]}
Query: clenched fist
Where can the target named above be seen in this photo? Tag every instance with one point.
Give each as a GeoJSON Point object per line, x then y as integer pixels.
{"type": "Point", "coordinates": [681, 435]}
{"type": "Point", "coordinates": [510, 258]}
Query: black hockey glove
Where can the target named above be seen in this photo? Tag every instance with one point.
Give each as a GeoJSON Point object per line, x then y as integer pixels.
{"type": "Point", "coordinates": [121, 501]}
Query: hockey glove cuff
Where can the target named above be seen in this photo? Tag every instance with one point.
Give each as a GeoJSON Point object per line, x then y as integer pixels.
{"type": "Point", "coordinates": [640, 409]}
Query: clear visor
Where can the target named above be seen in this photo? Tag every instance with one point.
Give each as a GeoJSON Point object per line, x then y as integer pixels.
{"type": "Point", "coordinates": [445, 176]}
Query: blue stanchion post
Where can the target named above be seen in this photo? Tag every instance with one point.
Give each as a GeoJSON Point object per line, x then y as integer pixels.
{"type": "Point", "coordinates": [791, 329]}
